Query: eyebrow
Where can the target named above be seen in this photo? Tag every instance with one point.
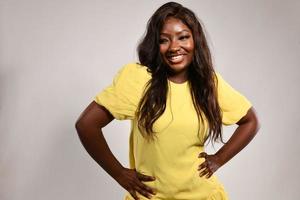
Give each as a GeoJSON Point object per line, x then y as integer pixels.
{"type": "Point", "coordinates": [177, 33]}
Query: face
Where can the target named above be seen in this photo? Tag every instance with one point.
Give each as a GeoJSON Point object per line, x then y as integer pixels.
{"type": "Point", "coordinates": [176, 47]}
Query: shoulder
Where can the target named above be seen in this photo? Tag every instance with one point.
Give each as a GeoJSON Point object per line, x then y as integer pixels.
{"type": "Point", "coordinates": [134, 73]}
{"type": "Point", "coordinates": [132, 76]}
{"type": "Point", "coordinates": [218, 77]}
{"type": "Point", "coordinates": [133, 69]}
{"type": "Point", "coordinates": [221, 84]}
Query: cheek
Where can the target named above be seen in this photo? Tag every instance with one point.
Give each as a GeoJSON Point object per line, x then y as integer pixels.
{"type": "Point", "coordinates": [190, 46]}
{"type": "Point", "coordinates": [162, 49]}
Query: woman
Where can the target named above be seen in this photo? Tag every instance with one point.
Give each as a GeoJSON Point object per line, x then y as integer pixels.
{"type": "Point", "coordinates": [176, 103]}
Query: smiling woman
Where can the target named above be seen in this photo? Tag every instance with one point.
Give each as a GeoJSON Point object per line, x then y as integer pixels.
{"type": "Point", "coordinates": [177, 48]}
{"type": "Point", "coordinates": [176, 102]}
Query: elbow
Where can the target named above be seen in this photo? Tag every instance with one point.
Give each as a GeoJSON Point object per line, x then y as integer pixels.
{"type": "Point", "coordinates": [251, 121]}
{"type": "Point", "coordinates": [80, 126]}
{"type": "Point", "coordinates": [85, 128]}
{"type": "Point", "coordinates": [256, 125]}
{"type": "Point", "coordinates": [77, 125]}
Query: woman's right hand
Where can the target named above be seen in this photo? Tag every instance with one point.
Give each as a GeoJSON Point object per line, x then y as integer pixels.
{"type": "Point", "coordinates": [131, 180]}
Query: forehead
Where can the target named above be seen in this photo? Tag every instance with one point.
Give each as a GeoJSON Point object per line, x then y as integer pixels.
{"type": "Point", "coordinates": [174, 25]}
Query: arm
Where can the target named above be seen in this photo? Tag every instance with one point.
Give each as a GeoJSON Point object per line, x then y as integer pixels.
{"type": "Point", "coordinates": [245, 132]}
{"type": "Point", "coordinates": [89, 128]}
{"type": "Point", "coordinates": [247, 129]}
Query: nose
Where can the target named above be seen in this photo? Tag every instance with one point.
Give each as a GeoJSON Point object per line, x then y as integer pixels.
{"type": "Point", "coordinates": [174, 46]}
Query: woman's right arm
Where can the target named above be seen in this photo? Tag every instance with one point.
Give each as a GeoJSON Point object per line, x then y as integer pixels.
{"type": "Point", "coordinates": [89, 128]}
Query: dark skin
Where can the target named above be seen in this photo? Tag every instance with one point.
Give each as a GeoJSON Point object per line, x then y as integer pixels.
{"type": "Point", "coordinates": [95, 117]}
{"type": "Point", "coordinates": [89, 127]}
{"type": "Point", "coordinates": [176, 47]}
{"type": "Point", "coordinates": [245, 132]}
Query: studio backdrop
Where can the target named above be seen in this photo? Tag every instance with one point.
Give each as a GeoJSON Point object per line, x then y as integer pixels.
{"type": "Point", "coordinates": [55, 56]}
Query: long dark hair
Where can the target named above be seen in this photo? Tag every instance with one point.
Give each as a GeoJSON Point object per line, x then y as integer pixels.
{"type": "Point", "coordinates": [201, 75]}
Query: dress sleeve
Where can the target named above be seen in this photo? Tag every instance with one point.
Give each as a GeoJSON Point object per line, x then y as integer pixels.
{"type": "Point", "coordinates": [122, 96]}
{"type": "Point", "coordinates": [234, 105]}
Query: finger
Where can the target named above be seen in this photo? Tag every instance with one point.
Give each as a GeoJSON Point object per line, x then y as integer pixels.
{"type": "Point", "coordinates": [201, 174]}
{"type": "Point", "coordinates": [209, 175]}
{"type": "Point", "coordinates": [145, 178]}
{"type": "Point", "coordinates": [133, 194]}
{"type": "Point", "coordinates": [143, 192]}
{"type": "Point", "coordinates": [146, 188]}
{"type": "Point", "coordinates": [204, 172]}
{"type": "Point", "coordinates": [202, 155]}
{"type": "Point", "coordinates": [202, 166]}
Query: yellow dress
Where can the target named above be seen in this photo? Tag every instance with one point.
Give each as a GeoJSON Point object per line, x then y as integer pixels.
{"type": "Point", "coordinates": [173, 157]}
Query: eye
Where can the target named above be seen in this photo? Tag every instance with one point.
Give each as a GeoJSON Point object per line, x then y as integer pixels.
{"type": "Point", "coordinates": [184, 37]}
{"type": "Point", "coordinates": [163, 40]}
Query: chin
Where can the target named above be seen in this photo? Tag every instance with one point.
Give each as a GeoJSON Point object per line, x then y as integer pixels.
{"type": "Point", "coordinates": [178, 67]}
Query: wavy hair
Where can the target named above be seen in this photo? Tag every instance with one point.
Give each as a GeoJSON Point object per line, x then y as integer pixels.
{"type": "Point", "coordinates": [201, 75]}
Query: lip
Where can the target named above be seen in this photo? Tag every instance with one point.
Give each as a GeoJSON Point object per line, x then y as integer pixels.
{"type": "Point", "coordinates": [173, 55]}
{"type": "Point", "coordinates": [175, 58]}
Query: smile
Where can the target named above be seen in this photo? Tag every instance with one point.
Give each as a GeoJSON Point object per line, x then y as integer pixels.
{"type": "Point", "coordinates": [176, 58]}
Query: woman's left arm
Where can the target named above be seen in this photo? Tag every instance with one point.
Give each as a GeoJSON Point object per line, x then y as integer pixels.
{"type": "Point", "coordinates": [247, 128]}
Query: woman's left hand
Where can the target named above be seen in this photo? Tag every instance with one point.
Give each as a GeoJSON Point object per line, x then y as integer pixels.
{"type": "Point", "coordinates": [211, 164]}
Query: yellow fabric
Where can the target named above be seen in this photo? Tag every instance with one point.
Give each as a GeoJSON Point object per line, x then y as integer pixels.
{"type": "Point", "coordinates": [173, 157]}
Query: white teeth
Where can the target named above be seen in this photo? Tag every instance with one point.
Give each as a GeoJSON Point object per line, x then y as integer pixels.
{"type": "Point", "coordinates": [176, 58]}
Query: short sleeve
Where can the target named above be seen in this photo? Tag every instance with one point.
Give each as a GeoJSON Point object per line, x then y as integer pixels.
{"type": "Point", "coordinates": [122, 96]}
{"type": "Point", "coordinates": [233, 104]}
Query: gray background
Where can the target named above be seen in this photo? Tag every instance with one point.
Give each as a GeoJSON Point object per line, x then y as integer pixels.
{"type": "Point", "coordinates": [56, 55]}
